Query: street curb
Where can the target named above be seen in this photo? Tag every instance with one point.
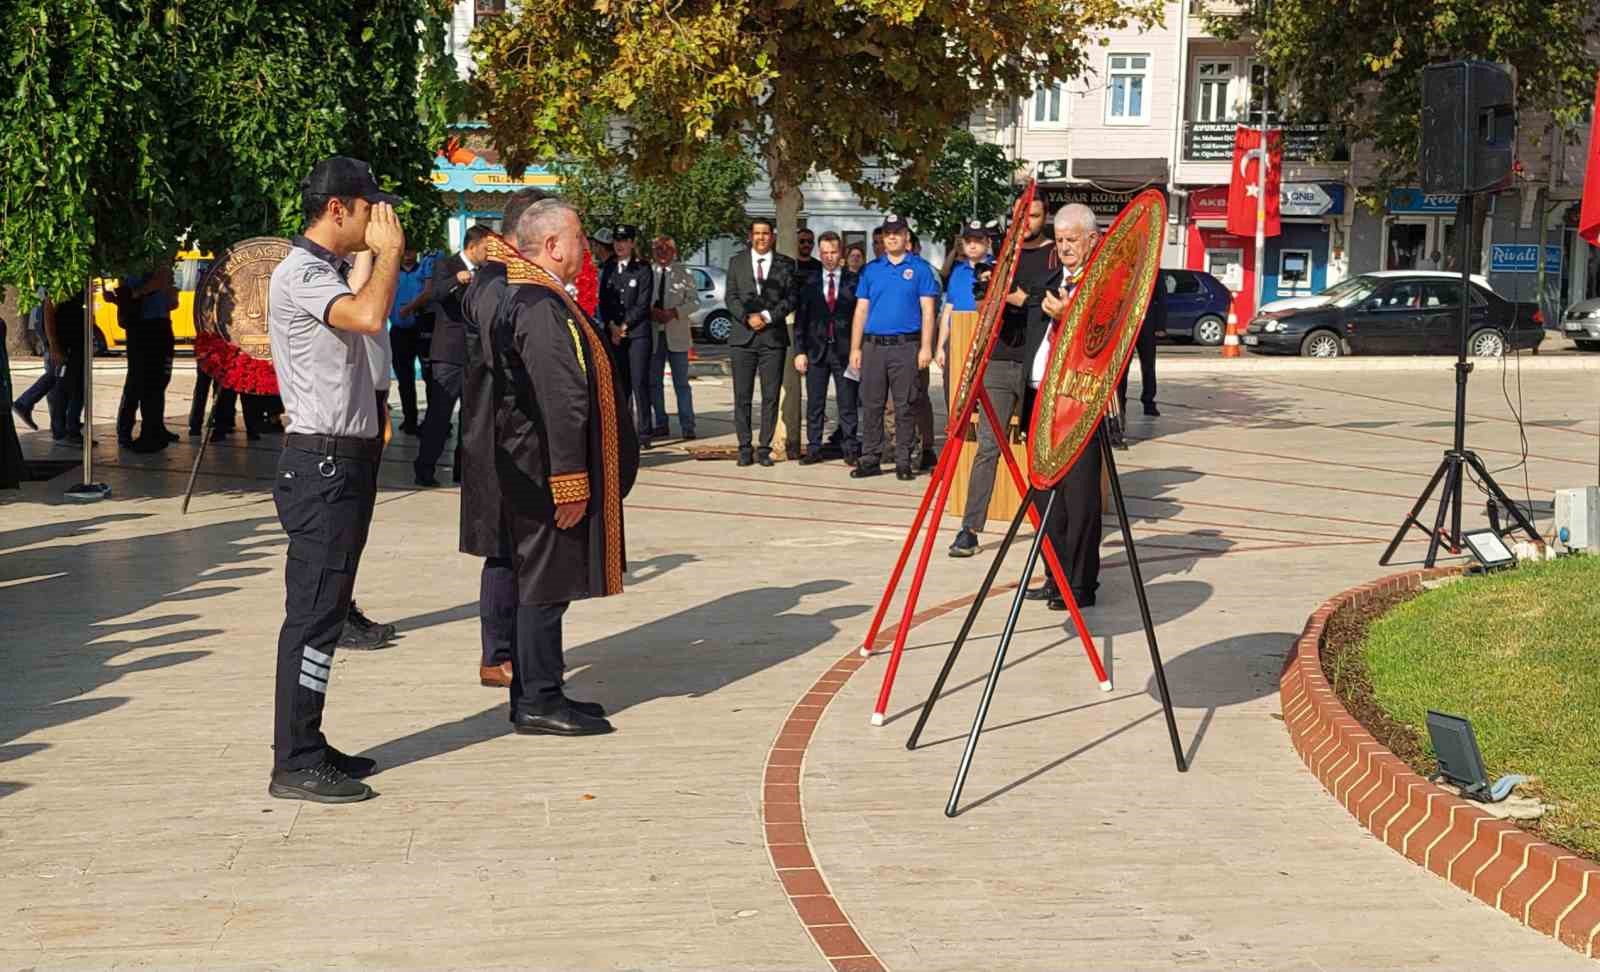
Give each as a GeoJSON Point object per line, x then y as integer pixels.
{"type": "Point", "coordinates": [1261, 365]}
{"type": "Point", "coordinates": [1543, 886]}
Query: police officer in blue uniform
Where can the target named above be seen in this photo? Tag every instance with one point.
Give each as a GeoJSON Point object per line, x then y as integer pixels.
{"type": "Point", "coordinates": [891, 341]}
{"type": "Point", "coordinates": [626, 283]}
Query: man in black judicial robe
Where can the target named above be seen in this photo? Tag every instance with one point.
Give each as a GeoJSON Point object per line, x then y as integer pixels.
{"type": "Point", "coordinates": [566, 453]}
{"type": "Point", "coordinates": [484, 532]}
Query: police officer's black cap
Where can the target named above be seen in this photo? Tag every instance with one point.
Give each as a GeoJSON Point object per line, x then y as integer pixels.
{"type": "Point", "coordinates": [625, 231]}
{"type": "Point", "coordinates": [974, 229]}
{"type": "Point", "coordinates": [894, 224]}
{"type": "Point", "coordinates": [346, 177]}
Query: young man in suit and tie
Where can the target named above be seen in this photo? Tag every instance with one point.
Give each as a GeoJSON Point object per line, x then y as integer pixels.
{"type": "Point", "coordinates": [761, 290]}
{"type": "Point", "coordinates": [822, 350]}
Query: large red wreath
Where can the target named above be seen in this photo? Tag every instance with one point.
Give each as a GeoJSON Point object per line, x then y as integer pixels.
{"type": "Point", "coordinates": [232, 368]}
{"type": "Point", "coordinates": [588, 286]}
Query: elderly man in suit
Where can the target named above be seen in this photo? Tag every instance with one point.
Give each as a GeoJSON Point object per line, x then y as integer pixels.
{"type": "Point", "coordinates": [672, 299]}
{"type": "Point", "coordinates": [822, 350]}
{"type": "Point", "coordinates": [761, 291]}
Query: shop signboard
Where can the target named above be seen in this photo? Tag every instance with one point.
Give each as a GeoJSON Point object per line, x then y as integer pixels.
{"type": "Point", "coordinates": [1523, 258]}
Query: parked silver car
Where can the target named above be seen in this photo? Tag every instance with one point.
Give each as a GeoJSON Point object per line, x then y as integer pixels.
{"type": "Point", "coordinates": [1582, 323]}
{"type": "Point", "coordinates": [711, 320]}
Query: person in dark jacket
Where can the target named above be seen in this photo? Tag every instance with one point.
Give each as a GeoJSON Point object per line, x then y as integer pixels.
{"type": "Point", "coordinates": [483, 528]}
{"type": "Point", "coordinates": [626, 283]}
{"type": "Point", "coordinates": [447, 350]}
{"type": "Point", "coordinates": [1151, 330]}
{"type": "Point", "coordinates": [822, 350]}
{"type": "Point", "coordinates": [761, 292]}
{"type": "Point", "coordinates": [566, 454]}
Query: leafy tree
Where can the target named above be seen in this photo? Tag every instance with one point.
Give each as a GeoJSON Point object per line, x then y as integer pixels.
{"type": "Point", "coordinates": [704, 201]}
{"type": "Point", "coordinates": [969, 179]}
{"type": "Point", "coordinates": [1370, 81]}
{"type": "Point", "coordinates": [134, 124]}
{"type": "Point", "coordinates": [813, 84]}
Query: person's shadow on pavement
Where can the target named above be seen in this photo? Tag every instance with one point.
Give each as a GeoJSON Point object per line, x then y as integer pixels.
{"type": "Point", "coordinates": [691, 653]}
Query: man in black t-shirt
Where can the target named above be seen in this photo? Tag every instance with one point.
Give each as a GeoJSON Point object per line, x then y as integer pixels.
{"type": "Point", "coordinates": [1005, 379]}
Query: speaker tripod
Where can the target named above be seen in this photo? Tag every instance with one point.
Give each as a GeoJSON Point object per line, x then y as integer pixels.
{"type": "Point", "coordinates": [1458, 460]}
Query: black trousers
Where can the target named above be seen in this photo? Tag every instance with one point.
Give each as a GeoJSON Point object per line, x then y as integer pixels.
{"type": "Point", "coordinates": [819, 371]}
{"type": "Point", "coordinates": [443, 393]}
{"type": "Point", "coordinates": [1074, 527]}
{"type": "Point", "coordinates": [538, 668]}
{"type": "Point", "coordinates": [639, 346]}
{"type": "Point", "coordinates": [227, 406]}
{"type": "Point", "coordinates": [750, 362]}
{"type": "Point", "coordinates": [888, 376]}
{"type": "Point", "coordinates": [1146, 346]}
{"type": "Point", "coordinates": [497, 610]}
{"type": "Point", "coordinates": [325, 506]}
{"type": "Point", "coordinates": [144, 390]}
{"type": "Point", "coordinates": [403, 341]}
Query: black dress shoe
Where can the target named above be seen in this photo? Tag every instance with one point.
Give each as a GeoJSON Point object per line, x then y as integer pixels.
{"type": "Point", "coordinates": [661, 432]}
{"type": "Point", "coordinates": [426, 480]}
{"type": "Point", "coordinates": [323, 783]}
{"type": "Point", "coordinates": [747, 457]}
{"type": "Point", "coordinates": [564, 721]}
{"type": "Point", "coordinates": [355, 767]}
{"type": "Point", "coordinates": [1044, 593]}
{"type": "Point", "coordinates": [866, 470]}
{"type": "Point", "coordinates": [811, 458]}
{"type": "Point", "coordinates": [929, 459]}
{"type": "Point", "coordinates": [1151, 409]}
{"type": "Point", "coordinates": [764, 457]}
{"type": "Point", "coordinates": [904, 474]}
{"type": "Point", "coordinates": [687, 435]}
{"type": "Point", "coordinates": [588, 708]}
{"type": "Point", "coordinates": [1058, 603]}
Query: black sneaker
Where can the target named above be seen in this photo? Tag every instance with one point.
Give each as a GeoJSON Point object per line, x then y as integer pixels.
{"type": "Point", "coordinates": [25, 416]}
{"type": "Point", "coordinates": [904, 474]}
{"type": "Point", "coordinates": [965, 545]}
{"type": "Point", "coordinates": [355, 767]}
{"type": "Point", "coordinates": [356, 639]}
{"type": "Point", "coordinates": [865, 470]}
{"type": "Point", "coordinates": [1151, 410]}
{"type": "Point", "coordinates": [323, 783]}
{"type": "Point", "coordinates": [364, 623]}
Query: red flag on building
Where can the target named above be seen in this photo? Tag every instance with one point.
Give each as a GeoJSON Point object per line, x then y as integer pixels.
{"type": "Point", "coordinates": [1244, 183]}
{"type": "Point", "coordinates": [1589, 213]}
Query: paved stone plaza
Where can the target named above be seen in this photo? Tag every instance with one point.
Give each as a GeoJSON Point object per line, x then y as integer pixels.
{"type": "Point", "coordinates": [135, 718]}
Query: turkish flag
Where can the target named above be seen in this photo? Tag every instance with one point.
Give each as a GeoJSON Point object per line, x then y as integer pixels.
{"type": "Point", "coordinates": [1589, 214]}
{"type": "Point", "coordinates": [1244, 184]}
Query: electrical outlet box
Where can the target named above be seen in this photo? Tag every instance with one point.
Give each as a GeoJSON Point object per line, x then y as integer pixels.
{"type": "Point", "coordinates": [1578, 518]}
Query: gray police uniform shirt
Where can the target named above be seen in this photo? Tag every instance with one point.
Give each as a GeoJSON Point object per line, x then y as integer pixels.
{"type": "Point", "coordinates": [324, 374]}
{"type": "Point", "coordinates": [380, 354]}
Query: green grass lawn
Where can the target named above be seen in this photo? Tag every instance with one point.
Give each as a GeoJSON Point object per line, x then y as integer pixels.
{"type": "Point", "coordinates": [1518, 653]}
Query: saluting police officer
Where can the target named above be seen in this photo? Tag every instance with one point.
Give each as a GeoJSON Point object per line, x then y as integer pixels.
{"type": "Point", "coordinates": [891, 340]}
{"type": "Point", "coordinates": [326, 480]}
{"type": "Point", "coordinates": [626, 283]}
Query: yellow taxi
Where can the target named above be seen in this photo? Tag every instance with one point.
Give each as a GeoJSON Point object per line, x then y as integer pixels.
{"type": "Point", "coordinates": [186, 274]}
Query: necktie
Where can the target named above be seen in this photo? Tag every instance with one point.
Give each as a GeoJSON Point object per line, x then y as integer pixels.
{"type": "Point", "coordinates": [661, 288]}
{"type": "Point", "coordinates": [761, 272]}
{"type": "Point", "coordinates": [832, 293]}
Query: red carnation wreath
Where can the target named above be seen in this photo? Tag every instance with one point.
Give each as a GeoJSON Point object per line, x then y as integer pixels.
{"type": "Point", "coordinates": [588, 286]}
{"type": "Point", "coordinates": [232, 368]}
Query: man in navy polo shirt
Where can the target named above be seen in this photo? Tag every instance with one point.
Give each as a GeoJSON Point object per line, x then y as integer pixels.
{"type": "Point", "coordinates": [891, 340]}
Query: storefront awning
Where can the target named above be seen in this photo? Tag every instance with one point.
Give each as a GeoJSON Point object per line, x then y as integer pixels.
{"type": "Point", "coordinates": [481, 176]}
{"type": "Point", "coordinates": [1121, 172]}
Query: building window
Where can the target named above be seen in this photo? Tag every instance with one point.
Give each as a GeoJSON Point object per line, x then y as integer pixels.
{"type": "Point", "coordinates": [483, 9]}
{"type": "Point", "coordinates": [1213, 91]}
{"type": "Point", "coordinates": [1127, 90]}
{"type": "Point", "coordinates": [1048, 108]}
{"type": "Point", "coordinates": [1262, 91]}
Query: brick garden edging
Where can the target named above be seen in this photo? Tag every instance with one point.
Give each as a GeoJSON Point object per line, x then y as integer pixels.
{"type": "Point", "coordinates": [1544, 886]}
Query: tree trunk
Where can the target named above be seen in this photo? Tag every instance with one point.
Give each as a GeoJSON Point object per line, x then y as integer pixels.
{"type": "Point", "coordinates": [785, 185]}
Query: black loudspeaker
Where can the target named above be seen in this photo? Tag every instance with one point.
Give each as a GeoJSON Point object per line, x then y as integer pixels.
{"type": "Point", "coordinates": [1469, 127]}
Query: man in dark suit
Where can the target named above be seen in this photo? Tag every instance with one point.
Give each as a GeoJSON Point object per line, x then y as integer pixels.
{"type": "Point", "coordinates": [1151, 330]}
{"type": "Point", "coordinates": [448, 349]}
{"type": "Point", "coordinates": [761, 293]}
{"type": "Point", "coordinates": [822, 349]}
{"type": "Point", "coordinates": [626, 283]}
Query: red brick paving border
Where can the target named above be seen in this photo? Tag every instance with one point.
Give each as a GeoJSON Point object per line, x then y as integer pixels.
{"type": "Point", "coordinates": [783, 815]}
{"type": "Point", "coordinates": [1542, 885]}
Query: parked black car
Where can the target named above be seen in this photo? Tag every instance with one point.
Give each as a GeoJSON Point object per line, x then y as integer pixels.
{"type": "Point", "coordinates": [1397, 312]}
{"type": "Point", "coordinates": [1197, 306]}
